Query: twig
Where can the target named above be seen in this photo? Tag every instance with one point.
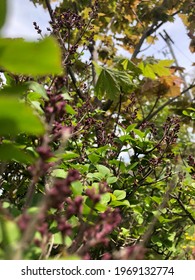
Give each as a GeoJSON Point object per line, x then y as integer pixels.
{"type": "Point", "coordinates": [149, 31]}
{"type": "Point", "coordinates": [49, 10]}
{"type": "Point", "coordinates": [74, 81]}
{"type": "Point", "coordinates": [167, 103]}
{"type": "Point", "coordinates": [147, 235]}
{"type": "Point", "coordinates": [152, 109]}
{"type": "Point", "coordinates": [189, 215]}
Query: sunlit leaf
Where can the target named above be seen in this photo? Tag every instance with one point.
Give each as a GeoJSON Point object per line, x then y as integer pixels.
{"type": "Point", "coordinates": [107, 84]}
{"type": "Point", "coordinates": [111, 83]}
{"type": "Point", "coordinates": [38, 88]}
{"type": "Point", "coordinates": [59, 173]}
{"type": "Point", "coordinates": [120, 194]}
{"type": "Point", "coordinates": [103, 170]}
{"type": "Point", "coordinates": [17, 117]}
{"type": "Point", "coordinates": [30, 58]}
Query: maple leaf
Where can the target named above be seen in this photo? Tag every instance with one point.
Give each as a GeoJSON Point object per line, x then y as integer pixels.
{"type": "Point", "coordinates": [173, 84]}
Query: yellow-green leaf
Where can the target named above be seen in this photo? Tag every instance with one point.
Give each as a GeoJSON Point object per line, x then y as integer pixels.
{"type": "Point", "coordinates": [17, 117]}
{"type": "Point", "coordinates": [30, 58]}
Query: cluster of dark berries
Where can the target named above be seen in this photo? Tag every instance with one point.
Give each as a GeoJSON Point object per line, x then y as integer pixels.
{"type": "Point", "coordinates": [98, 234]}
{"type": "Point", "coordinates": [131, 109]}
{"type": "Point", "coordinates": [92, 194]}
{"type": "Point", "coordinates": [44, 152]}
{"type": "Point", "coordinates": [70, 19]}
{"type": "Point", "coordinates": [63, 226]}
{"type": "Point", "coordinates": [23, 221]}
{"type": "Point", "coordinates": [54, 106]}
{"type": "Point", "coordinates": [66, 22]}
{"type": "Point", "coordinates": [37, 28]}
{"type": "Point", "coordinates": [57, 195]}
{"type": "Point", "coordinates": [191, 162]}
{"type": "Point", "coordinates": [171, 128]}
{"type": "Point", "coordinates": [42, 165]}
{"type": "Point", "coordinates": [55, 110]}
{"type": "Point", "coordinates": [153, 129]}
{"type": "Point", "coordinates": [74, 206]}
{"type": "Point", "coordinates": [155, 161]}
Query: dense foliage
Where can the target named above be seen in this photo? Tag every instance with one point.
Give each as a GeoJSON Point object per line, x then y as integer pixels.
{"type": "Point", "coordinates": [96, 149]}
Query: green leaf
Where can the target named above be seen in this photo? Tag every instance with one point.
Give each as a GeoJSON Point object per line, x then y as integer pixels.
{"type": "Point", "coordinates": [107, 85]}
{"type": "Point", "coordinates": [131, 127]}
{"type": "Point", "coordinates": [70, 110]}
{"type": "Point", "coordinates": [129, 65]}
{"type": "Point", "coordinates": [111, 82]}
{"type": "Point", "coordinates": [59, 173]}
{"type": "Point", "coordinates": [156, 240]}
{"type": "Point", "coordinates": [166, 62]}
{"type": "Point", "coordinates": [100, 207]}
{"type": "Point", "coordinates": [111, 180]}
{"type": "Point", "coordinates": [148, 71]}
{"type": "Point", "coordinates": [139, 133]}
{"type": "Point", "coordinates": [125, 138]}
{"type": "Point", "coordinates": [119, 194]}
{"type": "Point", "coordinates": [9, 233]}
{"type": "Point", "coordinates": [116, 203]}
{"type": "Point", "coordinates": [3, 12]}
{"type": "Point", "coordinates": [133, 165]}
{"type": "Point", "coordinates": [30, 58]}
{"type": "Point", "coordinates": [10, 152]}
{"type": "Point", "coordinates": [38, 88]}
{"type": "Point", "coordinates": [94, 158]}
{"type": "Point", "coordinates": [103, 169]}
{"type": "Point", "coordinates": [18, 89]}
{"type": "Point", "coordinates": [160, 70]}
{"type": "Point", "coordinates": [77, 188]}
{"type": "Point", "coordinates": [124, 80]}
{"type": "Point", "coordinates": [97, 175]}
{"type": "Point", "coordinates": [17, 117]}
{"type": "Point", "coordinates": [105, 198]}
{"type": "Point", "coordinates": [59, 240]}
{"type": "Point", "coordinates": [156, 199]}
{"type": "Point", "coordinates": [37, 105]}
{"type": "Point", "coordinates": [151, 70]}
{"type": "Point", "coordinates": [98, 68]}
{"type": "Point", "coordinates": [70, 155]}
{"type": "Point", "coordinates": [190, 113]}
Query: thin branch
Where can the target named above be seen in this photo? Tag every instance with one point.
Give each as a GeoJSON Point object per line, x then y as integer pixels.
{"type": "Point", "coordinates": [49, 10]}
{"type": "Point", "coordinates": [118, 113]}
{"type": "Point", "coordinates": [189, 215]}
{"type": "Point", "coordinates": [149, 31]}
{"type": "Point", "coordinates": [153, 107]}
{"type": "Point", "coordinates": [166, 104]}
{"type": "Point", "coordinates": [146, 33]}
{"type": "Point", "coordinates": [74, 81]}
{"type": "Point", "coordinates": [147, 235]}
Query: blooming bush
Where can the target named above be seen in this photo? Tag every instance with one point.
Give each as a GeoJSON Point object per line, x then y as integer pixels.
{"type": "Point", "coordinates": [95, 156]}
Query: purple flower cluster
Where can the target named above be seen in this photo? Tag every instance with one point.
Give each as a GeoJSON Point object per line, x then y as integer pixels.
{"type": "Point", "coordinates": [98, 234]}
{"type": "Point", "coordinates": [37, 28]}
{"type": "Point", "coordinates": [54, 106]}
{"type": "Point", "coordinates": [171, 128]}
{"type": "Point", "coordinates": [57, 195]}
{"type": "Point", "coordinates": [191, 162]}
{"type": "Point", "coordinates": [93, 195]}
{"type": "Point", "coordinates": [42, 165]}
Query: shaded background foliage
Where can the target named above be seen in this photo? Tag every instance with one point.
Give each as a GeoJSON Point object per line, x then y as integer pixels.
{"type": "Point", "coordinates": [96, 154]}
